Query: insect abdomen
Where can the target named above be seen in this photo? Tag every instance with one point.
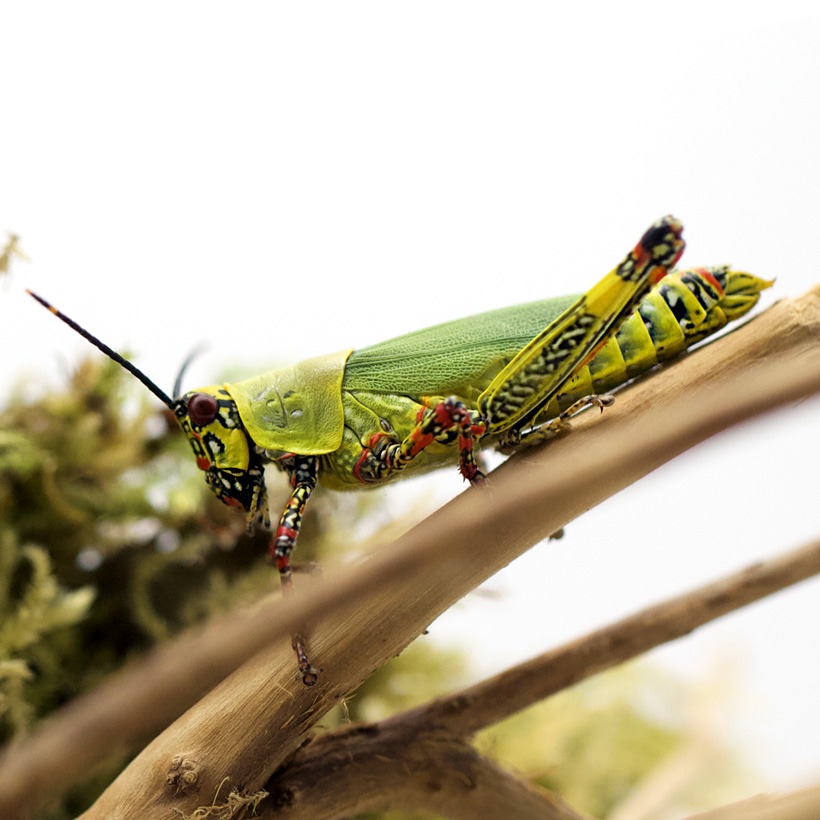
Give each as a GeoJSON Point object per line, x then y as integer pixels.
{"type": "Point", "coordinates": [684, 308]}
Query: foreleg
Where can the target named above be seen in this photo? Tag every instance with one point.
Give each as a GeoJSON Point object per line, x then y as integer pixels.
{"type": "Point", "coordinates": [303, 471]}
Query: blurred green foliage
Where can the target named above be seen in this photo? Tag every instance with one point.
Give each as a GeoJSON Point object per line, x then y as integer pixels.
{"type": "Point", "coordinates": [106, 534]}
{"type": "Point", "coordinates": [111, 542]}
{"type": "Point", "coordinates": [625, 732]}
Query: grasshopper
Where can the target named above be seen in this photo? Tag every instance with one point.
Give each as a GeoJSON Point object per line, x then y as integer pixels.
{"type": "Point", "coordinates": [506, 378]}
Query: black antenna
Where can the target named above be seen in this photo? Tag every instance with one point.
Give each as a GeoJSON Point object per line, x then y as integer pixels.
{"type": "Point", "coordinates": [191, 356]}
{"type": "Point", "coordinates": [163, 397]}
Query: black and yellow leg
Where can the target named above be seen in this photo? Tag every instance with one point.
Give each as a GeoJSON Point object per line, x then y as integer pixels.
{"type": "Point", "coordinates": [540, 370]}
{"type": "Point", "coordinates": [558, 426]}
{"type": "Point", "coordinates": [303, 471]}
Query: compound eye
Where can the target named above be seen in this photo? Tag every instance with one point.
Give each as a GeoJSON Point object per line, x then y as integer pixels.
{"type": "Point", "coordinates": [202, 409]}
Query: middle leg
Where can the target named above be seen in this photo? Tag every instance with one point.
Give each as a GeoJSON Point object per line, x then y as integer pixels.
{"type": "Point", "coordinates": [446, 422]}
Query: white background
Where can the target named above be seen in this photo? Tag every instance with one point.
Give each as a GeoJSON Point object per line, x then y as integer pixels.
{"type": "Point", "coordinates": [282, 181]}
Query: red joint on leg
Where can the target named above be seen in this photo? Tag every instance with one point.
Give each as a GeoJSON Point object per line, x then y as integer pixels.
{"type": "Point", "coordinates": [471, 474]}
{"type": "Point", "coordinates": [357, 467]}
{"type": "Point", "coordinates": [373, 441]}
{"type": "Point", "coordinates": [466, 462]}
{"type": "Point", "coordinates": [285, 534]}
{"type": "Point", "coordinates": [442, 414]}
{"type": "Point", "coordinates": [419, 442]}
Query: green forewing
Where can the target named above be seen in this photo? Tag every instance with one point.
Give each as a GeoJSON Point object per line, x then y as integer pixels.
{"type": "Point", "coordinates": [441, 359]}
{"type": "Point", "coordinates": [297, 408]}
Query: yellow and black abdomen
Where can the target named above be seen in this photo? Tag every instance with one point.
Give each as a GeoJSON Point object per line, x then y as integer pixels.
{"type": "Point", "coordinates": [685, 307]}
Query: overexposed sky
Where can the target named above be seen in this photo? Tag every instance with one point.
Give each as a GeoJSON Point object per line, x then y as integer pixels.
{"type": "Point", "coordinates": [284, 180]}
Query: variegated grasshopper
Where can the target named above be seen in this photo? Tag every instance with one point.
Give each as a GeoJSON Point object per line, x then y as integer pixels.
{"type": "Point", "coordinates": [508, 377]}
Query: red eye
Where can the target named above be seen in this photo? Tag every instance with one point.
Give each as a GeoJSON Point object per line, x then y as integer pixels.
{"type": "Point", "coordinates": [202, 409]}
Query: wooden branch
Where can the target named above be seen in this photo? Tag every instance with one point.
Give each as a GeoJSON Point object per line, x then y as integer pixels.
{"type": "Point", "coordinates": [400, 767]}
{"type": "Point", "coordinates": [496, 698]}
{"type": "Point", "coordinates": [800, 805]}
{"type": "Point", "coordinates": [313, 784]}
{"type": "Point", "coordinates": [255, 719]}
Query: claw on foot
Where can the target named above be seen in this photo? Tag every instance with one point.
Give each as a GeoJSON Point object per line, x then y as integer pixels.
{"type": "Point", "coordinates": [309, 673]}
{"type": "Point", "coordinates": [603, 401]}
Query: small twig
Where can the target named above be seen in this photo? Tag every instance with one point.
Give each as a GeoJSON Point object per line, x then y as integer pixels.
{"type": "Point", "coordinates": [499, 697]}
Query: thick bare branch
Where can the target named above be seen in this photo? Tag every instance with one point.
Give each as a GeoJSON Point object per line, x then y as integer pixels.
{"type": "Point", "coordinates": [252, 722]}
{"type": "Point", "coordinates": [386, 752]}
{"type": "Point", "coordinates": [380, 767]}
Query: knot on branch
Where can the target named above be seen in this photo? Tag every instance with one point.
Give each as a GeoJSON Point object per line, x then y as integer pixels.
{"type": "Point", "coordinates": [183, 774]}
